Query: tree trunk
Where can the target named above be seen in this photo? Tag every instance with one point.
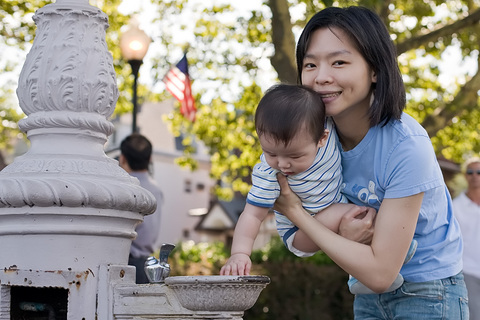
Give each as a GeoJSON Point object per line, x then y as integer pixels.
{"type": "Point", "coordinates": [283, 40]}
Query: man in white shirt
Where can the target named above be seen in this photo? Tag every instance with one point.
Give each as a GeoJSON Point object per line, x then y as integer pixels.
{"type": "Point", "coordinates": [466, 208]}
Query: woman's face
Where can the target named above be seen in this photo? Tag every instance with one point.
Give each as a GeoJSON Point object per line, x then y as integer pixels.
{"type": "Point", "coordinates": [333, 67]}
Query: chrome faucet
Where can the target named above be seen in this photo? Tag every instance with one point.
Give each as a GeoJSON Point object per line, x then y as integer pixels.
{"type": "Point", "coordinates": [158, 270]}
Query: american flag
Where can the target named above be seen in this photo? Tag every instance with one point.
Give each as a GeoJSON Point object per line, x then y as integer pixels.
{"type": "Point", "coordinates": [177, 82]}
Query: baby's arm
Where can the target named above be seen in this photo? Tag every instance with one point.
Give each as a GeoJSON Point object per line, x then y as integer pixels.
{"type": "Point", "coordinates": [330, 217]}
{"type": "Point", "coordinates": [246, 231]}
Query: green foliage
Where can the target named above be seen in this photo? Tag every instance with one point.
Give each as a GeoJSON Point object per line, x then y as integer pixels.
{"type": "Point", "coordinates": [228, 132]}
{"type": "Point", "coordinates": [190, 258]}
{"type": "Point", "coordinates": [203, 258]}
{"type": "Point", "coordinates": [461, 139]}
{"type": "Point", "coordinates": [229, 59]}
{"type": "Point", "coordinates": [8, 127]}
{"type": "Point", "coordinates": [275, 251]}
{"type": "Point", "coordinates": [301, 290]}
{"type": "Point", "coordinates": [408, 21]}
{"type": "Point", "coordinates": [309, 286]}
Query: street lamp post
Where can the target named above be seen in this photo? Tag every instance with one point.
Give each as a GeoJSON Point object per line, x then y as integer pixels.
{"type": "Point", "coordinates": [134, 46]}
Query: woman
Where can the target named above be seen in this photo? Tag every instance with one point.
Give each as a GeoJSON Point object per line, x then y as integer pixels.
{"type": "Point", "coordinates": [346, 55]}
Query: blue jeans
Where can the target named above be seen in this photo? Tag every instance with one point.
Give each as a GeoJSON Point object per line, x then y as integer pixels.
{"type": "Point", "coordinates": [444, 299]}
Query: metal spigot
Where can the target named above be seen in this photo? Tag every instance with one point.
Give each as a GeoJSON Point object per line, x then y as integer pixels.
{"type": "Point", "coordinates": [158, 270]}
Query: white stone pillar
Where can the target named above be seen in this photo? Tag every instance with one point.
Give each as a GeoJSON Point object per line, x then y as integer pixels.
{"type": "Point", "coordinates": [65, 205]}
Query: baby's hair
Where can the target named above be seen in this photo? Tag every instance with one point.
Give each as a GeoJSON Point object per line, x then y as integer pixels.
{"type": "Point", "coordinates": [371, 38]}
{"type": "Point", "coordinates": [285, 109]}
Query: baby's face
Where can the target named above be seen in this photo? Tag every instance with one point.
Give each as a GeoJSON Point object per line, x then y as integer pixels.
{"type": "Point", "coordinates": [295, 158]}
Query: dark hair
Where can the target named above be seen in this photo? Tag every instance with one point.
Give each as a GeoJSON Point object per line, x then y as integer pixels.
{"type": "Point", "coordinates": [371, 38]}
{"type": "Point", "coordinates": [137, 150]}
{"type": "Point", "coordinates": [285, 108]}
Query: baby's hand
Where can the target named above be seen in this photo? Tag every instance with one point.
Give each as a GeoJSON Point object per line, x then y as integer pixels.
{"type": "Point", "coordinates": [239, 264]}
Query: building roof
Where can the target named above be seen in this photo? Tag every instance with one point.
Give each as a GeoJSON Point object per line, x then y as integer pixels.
{"type": "Point", "coordinates": [222, 215]}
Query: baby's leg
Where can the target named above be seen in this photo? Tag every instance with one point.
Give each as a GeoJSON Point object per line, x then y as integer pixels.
{"type": "Point", "coordinates": [330, 217]}
{"type": "Point", "coordinates": [356, 287]}
{"type": "Point", "coordinates": [411, 251]}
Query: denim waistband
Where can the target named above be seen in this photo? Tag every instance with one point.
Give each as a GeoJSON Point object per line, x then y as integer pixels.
{"type": "Point", "coordinates": [453, 279]}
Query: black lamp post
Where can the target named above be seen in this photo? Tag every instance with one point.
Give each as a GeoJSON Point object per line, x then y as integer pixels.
{"type": "Point", "coordinates": [134, 46]}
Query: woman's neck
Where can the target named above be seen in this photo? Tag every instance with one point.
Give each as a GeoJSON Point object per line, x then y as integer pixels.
{"type": "Point", "coordinates": [350, 133]}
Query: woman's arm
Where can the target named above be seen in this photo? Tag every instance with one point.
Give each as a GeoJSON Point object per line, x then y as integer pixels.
{"type": "Point", "coordinates": [331, 218]}
{"type": "Point", "coordinates": [375, 265]}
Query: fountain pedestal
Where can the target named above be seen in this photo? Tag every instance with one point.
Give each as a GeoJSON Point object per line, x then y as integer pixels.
{"type": "Point", "coordinates": [220, 298]}
{"type": "Point", "coordinates": [112, 289]}
{"type": "Point", "coordinates": [68, 212]}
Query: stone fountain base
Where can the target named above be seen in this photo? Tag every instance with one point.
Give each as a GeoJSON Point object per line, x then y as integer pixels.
{"type": "Point", "coordinates": [189, 297]}
{"type": "Point", "coordinates": [110, 293]}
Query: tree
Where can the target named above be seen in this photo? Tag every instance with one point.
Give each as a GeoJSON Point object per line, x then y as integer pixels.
{"type": "Point", "coordinates": [234, 55]}
{"type": "Point", "coordinates": [422, 31]}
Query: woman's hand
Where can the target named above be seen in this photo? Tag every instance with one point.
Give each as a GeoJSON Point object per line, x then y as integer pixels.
{"type": "Point", "coordinates": [357, 224]}
{"type": "Point", "coordinates": [288, 203]}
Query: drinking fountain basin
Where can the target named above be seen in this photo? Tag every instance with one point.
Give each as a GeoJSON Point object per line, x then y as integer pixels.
{"type": "Point", "coordinates": [217, 293]}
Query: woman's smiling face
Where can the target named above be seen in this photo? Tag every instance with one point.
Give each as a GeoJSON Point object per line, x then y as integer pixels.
{"type": "Point", "coordinates": [335, 68]}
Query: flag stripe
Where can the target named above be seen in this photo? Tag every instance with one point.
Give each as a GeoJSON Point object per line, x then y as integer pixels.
{"type": "Point", "coordinates": [177, 82]}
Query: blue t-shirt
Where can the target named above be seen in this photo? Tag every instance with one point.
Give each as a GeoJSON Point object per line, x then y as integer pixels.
{"type": "Point", "coordinates": [398, 160]}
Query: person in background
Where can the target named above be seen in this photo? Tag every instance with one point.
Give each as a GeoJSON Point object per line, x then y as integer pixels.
{"type": "Point", "coordinates": [135, 157]}
{"type": "Point", "coordinates": [466, 208]}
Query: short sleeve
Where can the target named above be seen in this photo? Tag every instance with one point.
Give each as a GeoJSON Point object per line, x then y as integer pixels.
{"type": "Point", "coordinates": [265, 189]}
{"type": "Point", "coordinates": [412, 168]}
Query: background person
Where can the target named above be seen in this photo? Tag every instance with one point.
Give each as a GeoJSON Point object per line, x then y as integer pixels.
{"type": "Point", "coordinates": [466, 207]}
{"type": "Point", "coordinates": [135, 157]}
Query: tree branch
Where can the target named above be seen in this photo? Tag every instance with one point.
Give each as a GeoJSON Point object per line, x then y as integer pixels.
{"type": "Point", "coordinates": [448, 30]}
{"type": "Point", "coordinates": [464, 102]}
